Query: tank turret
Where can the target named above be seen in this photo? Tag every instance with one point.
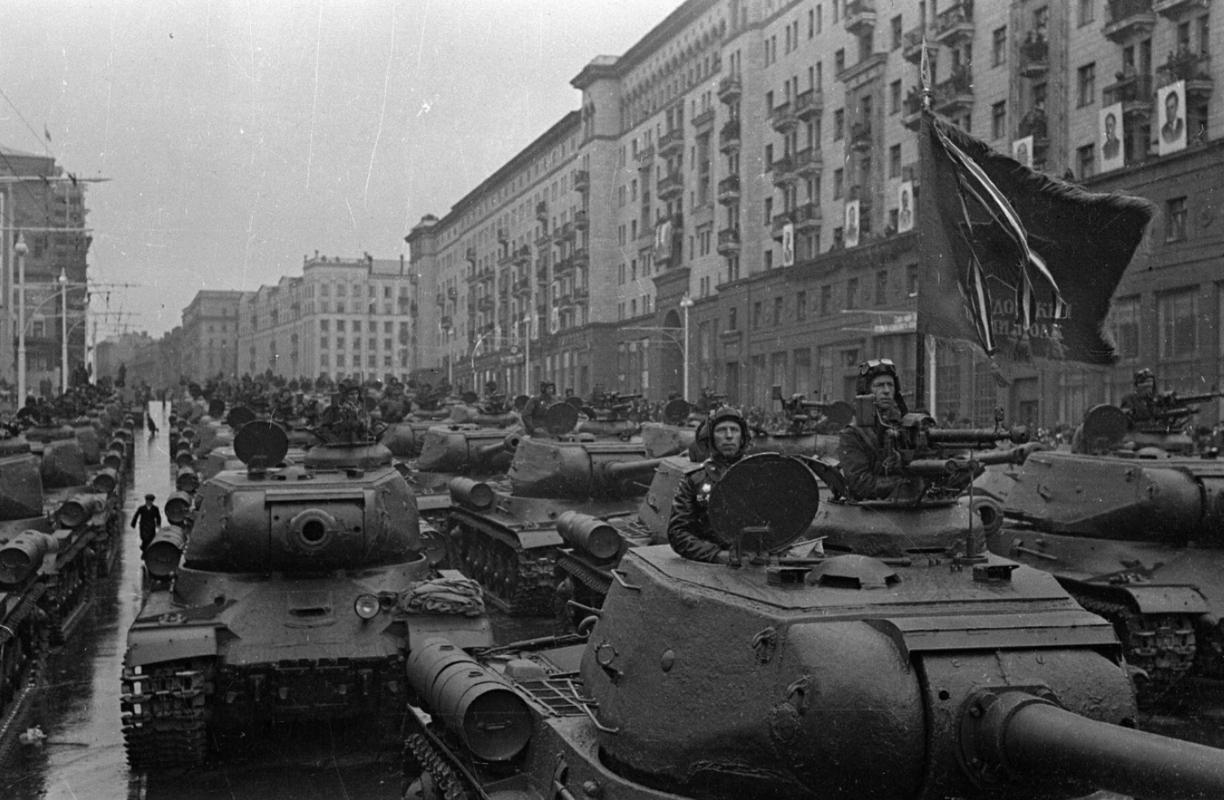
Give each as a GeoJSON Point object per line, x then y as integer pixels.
{"type": "Point", "coordinates": [466, 449]}
{"type": "Point", "coordinates": [292, 596]}
{"type": "Point", "coordinates": [945, 675]}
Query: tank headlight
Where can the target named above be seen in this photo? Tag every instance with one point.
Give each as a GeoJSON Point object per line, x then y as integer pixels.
{"type": "Point", "coordinates": [366, 606]}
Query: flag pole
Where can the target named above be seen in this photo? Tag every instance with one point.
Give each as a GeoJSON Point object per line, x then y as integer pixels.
{"type": "Point", "coordinates": [924, 350]}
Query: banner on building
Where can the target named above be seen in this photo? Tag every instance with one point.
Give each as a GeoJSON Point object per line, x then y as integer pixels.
{"type": "Point", "coordinates": [1113, 154]}
{"type": "Point", "coordinates": [905, 207]}
{"type": "Point", "coordinates": [1003, 252]}
{"type": "Point", "coordinates": [663, 240]}
{"type": "Point", "coordinates": [788, 244]}
{"type": "Point", "coordinates": [850, 233]}
{"type": "Point", "coordinates": [1022, 151]}
{"type": "Point", "coordinates": [1171, 105]}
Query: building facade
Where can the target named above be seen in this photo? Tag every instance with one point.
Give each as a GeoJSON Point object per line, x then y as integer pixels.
{"type": "Point", "coordinates": [210, 335]}
{"type": "Point", "coordinates": [44, 208]}
{"type": "Point", "coordinates": [341, 318]}
{"type": "Point", "coordinates": [731, 202]}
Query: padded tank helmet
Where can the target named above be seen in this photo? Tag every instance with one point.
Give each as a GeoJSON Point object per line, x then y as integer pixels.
{"type": "Point", "coordinates": [872, 369]}
{"type": "Point", "coordinates": [724, 414]}
{"type": "Point", "coordinates": [1144, 375]}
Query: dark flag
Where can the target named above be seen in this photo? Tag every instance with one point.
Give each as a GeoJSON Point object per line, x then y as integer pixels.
{"type": "Point", "coordinates": [1018, 262]}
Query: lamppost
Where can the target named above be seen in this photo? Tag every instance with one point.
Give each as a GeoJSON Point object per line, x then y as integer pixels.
{"type": "Point", "coordinates": [63, 282]}
{"type": "Point", "coordinates": [21, 249]}
{"type": "Point", "coordinates": [686, 303]}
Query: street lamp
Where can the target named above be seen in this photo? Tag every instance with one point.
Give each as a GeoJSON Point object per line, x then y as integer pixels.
{"type": "Point", "coordinates": [21, 249]}
{"type": "Point", "coordinates": [686, 303]}
{"type": "Point", "coordinates": [63, 282]}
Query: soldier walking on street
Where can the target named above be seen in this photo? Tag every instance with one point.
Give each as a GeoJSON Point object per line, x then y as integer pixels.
{"type": "Point", "coordinates": [149, 517]}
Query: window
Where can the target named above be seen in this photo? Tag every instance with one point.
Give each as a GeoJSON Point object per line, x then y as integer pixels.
{"type": "Point", "coordinates": [998, 47]}
{"type": "Point", "coordinates": [1123, 321]}
{"type": "Point", "coordinates": [896, 33]}
{"type": "Point", "coordinates": [324, 325]}
{"type": "Point", "coordinates": [1086, 156]}
{"type": "Point", "coordinates": [894, 97]}
{"type": "Point", "coordinates": [732, 319]}
{"type": "Point", "coordinates": [801, 306]}
{"type": "Point", "coordinates": [340, 326]}
{"type": "Point", "coordinates": [756, 315]}
{"type": "Point", "coordinates": [839, 57]}
{"type": "Point", "coordinates": [839, 179]}
{"type": "Point", "coordinates": [1087, 12]}
{"type": "Point", "coordinates": [1087, 85]}
{"type": "Point", "coordinates": [777, 311]}
{"type": "Point", "coordinates": [852, 290]}
{"type": "Point", "coordinates": [881, 288]}
{"type": "Point", "coordinates": [1176, 323]}
{"type": "Point", "coordinates": [911, 280]}
{"type": "Point", "coordinates": [998, 119]}
{"type": "Point", "coordinates": [1175, 219]}
{"type": "Point", "coordinates": [324, 343]}
{"type": "Point", "coordinates": [894, 161]}
{"type": "Point", "coordinates": [839, 124]}
{"type": "Point", "coordinates": [826, 298]}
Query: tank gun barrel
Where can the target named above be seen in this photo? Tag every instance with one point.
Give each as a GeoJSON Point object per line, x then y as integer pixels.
{"type": "Point", "coordinates": [1176, 399]}
{"type": "Point", "coordinates": [627, 470]}
{"type": "Point", "coordinates": [977, 437]}
{"type": "Point", "coordinates": [1030, 739]}
{"type": "Point", "coordinates": [507, 445]}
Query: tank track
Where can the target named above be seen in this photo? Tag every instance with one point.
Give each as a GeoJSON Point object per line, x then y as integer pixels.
{"type": "Point", "coordinates": [164, 712]}
{"type": "Point", "coordinates": [519, 582]}
{"type": "Point", "coordinates": [422, 758]}
{"type": "Point", "coordinates": [1162, 645]}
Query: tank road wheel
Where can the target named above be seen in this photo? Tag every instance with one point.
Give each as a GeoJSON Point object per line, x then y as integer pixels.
{"type": "Point", "coordinates": [508, 567]}
{"type": "Point", "coordinates": [1161, 645]}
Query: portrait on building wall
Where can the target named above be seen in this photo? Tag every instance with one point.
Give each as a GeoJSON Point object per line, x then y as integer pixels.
{"type": "Point", "coordinates": [788, 244]}
{"type": "Point", "coordinates": [850, 234]}
{"type": "Point", "coordinates": [1171, 105]}
{"type": "Point", "coordinates": [1022, 151]}
{"type": "Point", "coordinates": [905, 207]}
{"type": "Point", "coordinates": [1113, 154]}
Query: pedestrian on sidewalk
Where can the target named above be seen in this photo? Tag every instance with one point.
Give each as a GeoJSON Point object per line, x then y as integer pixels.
{"type": "Point", "coordinates": [152, 425]}
{"type": "Point", "coordinates": [149, 517]}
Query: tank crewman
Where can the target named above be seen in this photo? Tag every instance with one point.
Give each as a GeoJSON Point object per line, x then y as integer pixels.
{"type": "Point", "coordinates": [533, 413]}
{"type": "Point", "coordinates": [1140, 405]}
{"type": "Point", "coordinates": [149, 517]}
{"type": "Point", "coordinates": [870, 472]}
{"type": "Point", "coordinates": [727, 435]}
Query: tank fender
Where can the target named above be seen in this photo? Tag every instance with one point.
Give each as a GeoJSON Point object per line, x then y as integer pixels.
{"type": "Point", "coordinates": [170, 642]}
{"type": "Point", "coordinates": [1149, 598]}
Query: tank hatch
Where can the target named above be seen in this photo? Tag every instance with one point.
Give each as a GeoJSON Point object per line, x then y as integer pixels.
{"type": "Point", "coordinates": [853, 572]}
{"type": "Point", "coordinates": [261, 444]}
{"type": "Point", "coordinates": [739, 517]}
{"type": "Point", "coordinates": [561, 418]}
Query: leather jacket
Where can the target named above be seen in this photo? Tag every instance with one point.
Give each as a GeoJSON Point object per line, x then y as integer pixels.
{"type": "Point", "coordinates": [688, 529]}
{"type": "Point", "coordinates": [860, 454]}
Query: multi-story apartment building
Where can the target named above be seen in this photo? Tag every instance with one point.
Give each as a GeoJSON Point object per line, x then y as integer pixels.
{"type": "Point", "coordinates": [210, 335]}
{"type": "Point", "coordinates": [728, 199]}
{"type": "Point", "coordinates": [44, 208]}
{"type": "Point", "coordinates": [341, 318]}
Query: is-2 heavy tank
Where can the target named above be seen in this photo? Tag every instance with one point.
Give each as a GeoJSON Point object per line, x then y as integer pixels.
{"type": "Point", "coordinates": [509, 541]}
{"type": "Point", "coordinates": [293, 598]}
{"type": "Point", "coordinates": [456, 450]}
{"type": "Point", "coordinates": [954, 674]}
{"type": "Point", "coordinates": [1138, 540]}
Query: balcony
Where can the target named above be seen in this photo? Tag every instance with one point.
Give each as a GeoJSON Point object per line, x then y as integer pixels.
{"type": "Point", "coordinates": [581, 257]}
{"type": "Point", "coordinates": [440, 300]}
{"type": "Point", "coordinates": [563, 266]}
{"type": "Point", "coordinates": [705, 119]}
{"type": "Point", "coordinates": [1174, 9]}
{"type": "Point", "coordinates": [670, 185]}
{"type": "Point", "coordinates": [581, 221]}
{"type": "Point", "coordinates": [729, 89]}
{"type": "Point", "coordinates": [860, 17]}
{"type": "Point", "coordinates": [505, 257]}
{"type": "Point", "coordinates": [955, 94]}
{"type": "Point", "coordinates": [452, 293]}
{"type": "Point", "coordinates": [1034, 56]}
{"type": "Point", "coordinates": [807, 216]}
{"type": "Point", "coordinates": [568, 231]}
{"type": "Point", "coordinates": [783, 170]}
{"type": "Point", "coordinates": [580, 295]}
{"type": "Point", "coordinates": [728, 242]}
{"type": "Point", "coordinates": [522, 256]}
{"type": "Point", "coordinates": [582, 180]}
{"type": "Point", "coordinates": [911, 43]}
{"type": "Point", "coordinates": [782, 118]}
{"type": "Point", "coordinates": [809, 104]}
{"type": "Point", "coordinates": [503, 235]}
{"type": "Point", "coordinates": [860, 136]}
{"type": "Point", "coordinates": [670, 142]}
{"type": "Point", "coordinates": [446, 322]}
{"type": "Point", "coordinates": [544, 239]}
{"type": "Point", "coordinates": [522, 287]}
{"type": "Point", "coordinates": [542, 211]}
{"type": "Point", "coordinates": [729, 137]}
{"type": "Point", "coordinates": [954, 25]}
{"type": "Point", "coordinates": [808, 162]}
{"type": "Point", "coordinates": [645, 156]}
{"type": "Point", "coordinates": [469, 255]}
{"type": "Point", "coordinates": [1133, 91]}
{"type": "Point", "coordinates": [729, 190]}
{"type": "Point", "coordinates": [779, 223]}
{"type": "Point", "coordinates": [1034, 124]}
{"type": "Point", "coordinates": [542, 272]}
{"type": "Point", "coordinates": [1195, 70]}
{"type": "Point", "coordinates": [558, 234]}
{"type": "Point", "coordinates": [1126, 19]}
{"type": "Point", "coordinates": [911, 109]}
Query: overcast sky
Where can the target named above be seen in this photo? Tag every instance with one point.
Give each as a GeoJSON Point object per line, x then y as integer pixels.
{"type": "Point", "coordinates": [240, 136]}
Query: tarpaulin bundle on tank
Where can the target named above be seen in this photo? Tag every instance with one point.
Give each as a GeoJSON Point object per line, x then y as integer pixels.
{"type": "Point", "coordinates": [447, 595]}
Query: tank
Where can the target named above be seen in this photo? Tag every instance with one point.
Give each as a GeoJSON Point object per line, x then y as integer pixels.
{"type": "Point", "coordinates": [509, 541]}
{"type": "Point", "coordinates": [1137, 538]}
{"type": "Point", "coordinates": [450, 451]}
{"type": "Point", "coordinates": [293, 597]}
{"type": "Point", "coordinates": [957, 674]}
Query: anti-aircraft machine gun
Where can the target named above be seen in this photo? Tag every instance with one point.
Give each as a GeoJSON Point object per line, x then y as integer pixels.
{"type": "Point", "coordinates": [945, 674]}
